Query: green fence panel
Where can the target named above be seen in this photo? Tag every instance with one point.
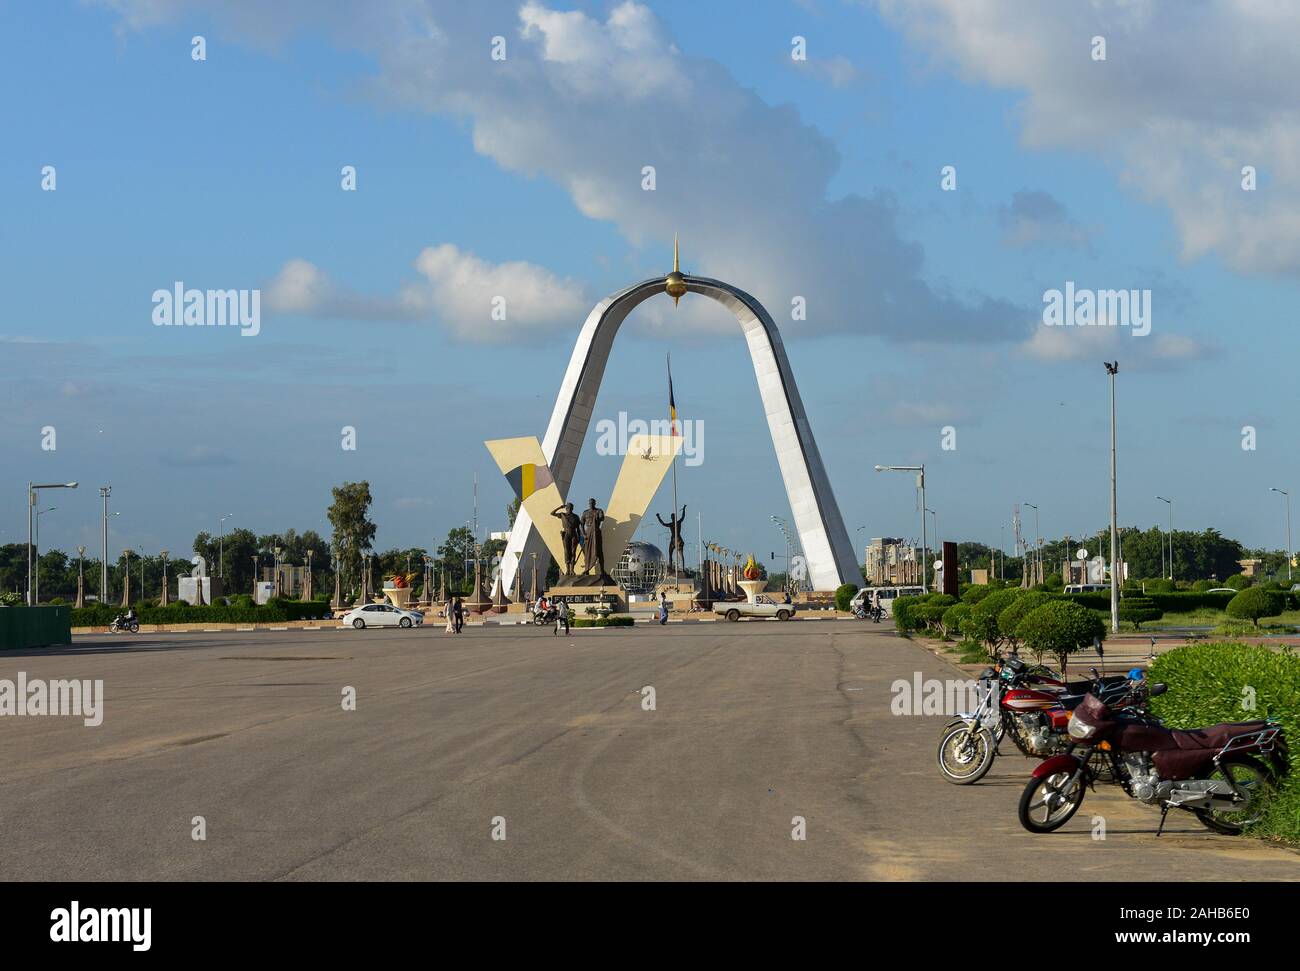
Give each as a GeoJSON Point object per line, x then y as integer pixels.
{"type": "Point", "coordinates": [22, 627]}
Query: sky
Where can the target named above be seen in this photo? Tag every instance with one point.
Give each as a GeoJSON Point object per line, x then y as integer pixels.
{"type": "Point", "coordinates": [816, 179]}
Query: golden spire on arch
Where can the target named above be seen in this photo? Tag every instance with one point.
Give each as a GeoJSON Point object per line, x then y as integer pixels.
{"type": "Point", "coordinates": [674, 282]}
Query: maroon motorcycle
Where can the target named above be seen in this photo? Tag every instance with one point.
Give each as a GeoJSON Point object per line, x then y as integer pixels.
{"type": "Point", "coordinates": [1030, 705]}
{"type": "Point", "coordinates": [1222, 774]}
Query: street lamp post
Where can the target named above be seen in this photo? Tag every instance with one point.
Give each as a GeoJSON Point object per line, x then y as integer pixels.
{"type": "Point", "coordinates": [1288, 529]}
{"type": "Point", "coordinates": [1112, 368]}
{"type": "Point", "coordinates": [104, 493]}
{"type": "Point", "coordinates": [32, 490]}
{"type": "Point", "coordinates": [920, 484]}
{"type": "Point", "coordinates": [221, 546]}
{"type": "Point", "coordinates": [1170, 504]}
{"type": "Point", "coordinates": [1038, 546]}
{"type": "Point", "coordinates": [164, 554]}
{"type": "Point", "coordinates": [37, 543]}
{"type": "Point", "coordinates": [81, 577]}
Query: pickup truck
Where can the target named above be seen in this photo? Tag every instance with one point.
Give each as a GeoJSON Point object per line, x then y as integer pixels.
{"type": "Point", "coordinates": [763, 606]}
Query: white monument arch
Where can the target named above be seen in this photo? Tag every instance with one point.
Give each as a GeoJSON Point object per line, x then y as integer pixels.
{"type": "Point", "coordinates": [827, 550]}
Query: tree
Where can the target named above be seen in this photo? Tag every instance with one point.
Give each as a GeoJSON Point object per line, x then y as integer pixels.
{"type": "Point", "coordinates": [1060, 628]}
{"type": "Point", "coordinates": [1010, 618]}
{"type": "Point", "coordinates": [1255, 602]}
{"type": "Point", "coordinates": [455, 557]}
{"type": "Point", "coordinates": [844, 595]}
{"type": "Point", "coordinates": [354, 533]}
{"type": "Point", "coordinates": [982, 624]}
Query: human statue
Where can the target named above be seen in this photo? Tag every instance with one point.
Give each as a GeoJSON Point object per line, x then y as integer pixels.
{"type": "Point", "coordinates": [570, 533]}
{"type": "Point", "coordinates": [676, 548]}
{"type": "Point", "coordinates": [593, 550]}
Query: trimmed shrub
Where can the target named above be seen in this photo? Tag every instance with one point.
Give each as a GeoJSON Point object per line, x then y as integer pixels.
{"type": "Point", "coordinates": [1159, 585]}
{"type": "Point", "coordinates": [1011, 617]}
{"type": "Point", "coordinates": [1200, 586]}
{"type": "Point", "coordinates": [602, 622]}
{"type": "Point", "coordinates": [1256, 602]}
{"type": "Point", "coordinates": [844, 596]}
{"type": "Point", "coordinates": [904, 615]}
{"type": "Point", "coordinates": [1059, 628]}
{"type": "Point", "coordinates": [983, 624]}
{"type": "Point", "coordinates": [954, 617]}
{"type": "Point", "coordinates": [1212, 683]}
{"type": "Point", "coordinates": [1138, 610]}
{"type": "Point", "coordinates": [1237, 581]}
{"type": "Point", "coordinates": [930, 611]}
{"type": "Point", "coordinates": [975, 593]}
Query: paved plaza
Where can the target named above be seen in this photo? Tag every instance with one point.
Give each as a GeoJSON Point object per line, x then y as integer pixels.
{"type": "Point", "coordinates": [544, 740]}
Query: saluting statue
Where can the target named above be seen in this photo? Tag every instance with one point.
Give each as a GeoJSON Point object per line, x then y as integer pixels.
{"type": "Point", "coordinates": [593, 550]}
{"type": "Point", "coordinates": [570, 533]}
{"type": "Point", "coordinates": [675, 545]}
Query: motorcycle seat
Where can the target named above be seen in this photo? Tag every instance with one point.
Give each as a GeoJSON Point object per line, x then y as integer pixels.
{"type": "Point", "coordinates": [1214, 736]}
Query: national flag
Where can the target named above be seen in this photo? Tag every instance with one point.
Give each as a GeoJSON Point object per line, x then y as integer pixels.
{"type": "Point", "coordinates": [529, 478]}
{"type": "Point", "coordinates": [672, 403]}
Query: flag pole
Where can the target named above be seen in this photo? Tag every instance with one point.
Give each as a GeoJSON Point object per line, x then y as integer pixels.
{"type": "Point", "coordinates": [672, 407]}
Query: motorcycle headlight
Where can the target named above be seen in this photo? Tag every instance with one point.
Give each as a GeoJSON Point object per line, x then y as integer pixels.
{"type": "Point", "coordinates": [1080, 730]}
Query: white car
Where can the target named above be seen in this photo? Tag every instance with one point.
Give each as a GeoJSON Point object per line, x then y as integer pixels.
{"type": "Point", "coordinates": [381, 615]}
{"type": "Point", "coordinates": [763, 606]}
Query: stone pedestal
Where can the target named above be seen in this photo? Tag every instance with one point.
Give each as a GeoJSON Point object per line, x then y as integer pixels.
{"type": "Point", "coordinates": [752, 588]}
{"type": "Point", "coordinates": [581, 596]}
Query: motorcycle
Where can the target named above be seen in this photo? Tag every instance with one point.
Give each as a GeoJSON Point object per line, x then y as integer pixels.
{"type": "Point", "coordinates": [1221, 774]}
{"type": "Point", "coordinates": [121, 623]}
{"type": "Point", "coordinates": [1031, 705]}
{"type": "Point", "coordinates": [548, 616]}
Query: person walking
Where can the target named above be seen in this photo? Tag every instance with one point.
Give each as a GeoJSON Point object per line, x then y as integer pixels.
{"type": "Point", "coordinates": [459, 614]}
{"type": "Point", "coordinates": [561, 615]}
{"type": "Point", "coordinates": [663, 608]}
{"type": "Point", "coordinates": [449, 609]}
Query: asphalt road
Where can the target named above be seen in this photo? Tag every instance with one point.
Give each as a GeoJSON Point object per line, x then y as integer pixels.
{"type": "Point", "coordinates": [753, 724]}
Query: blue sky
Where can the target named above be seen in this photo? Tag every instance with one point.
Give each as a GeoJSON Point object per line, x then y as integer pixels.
{"type": "Point", "coordinates": [818, 178]}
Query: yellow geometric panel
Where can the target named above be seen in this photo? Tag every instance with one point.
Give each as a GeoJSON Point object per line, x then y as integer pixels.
{"type": "Point", "coordinates": [648, 459]}
{"type": "Point", "coordinates": [522, 463]}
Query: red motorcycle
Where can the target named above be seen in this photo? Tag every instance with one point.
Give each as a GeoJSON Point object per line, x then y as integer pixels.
{"type": "Point", "coordinates": [1221, 773]}
{"type": "Point", "coordinates": [1031, 706]}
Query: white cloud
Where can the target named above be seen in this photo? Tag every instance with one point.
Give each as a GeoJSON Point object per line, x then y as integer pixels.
{"type": "Point", "coordinates": [1188, 94]}
{"type": "Point", "coordinates": [587, 103]}
{"type": "Point", "coordinates": [1056, 345]}
{"type": "Point", "coordinates": [461, 289]}
{"type": "Point", "coordinates": [1035, 218]}
{"type": "Point", "coordinates": [458, 289]}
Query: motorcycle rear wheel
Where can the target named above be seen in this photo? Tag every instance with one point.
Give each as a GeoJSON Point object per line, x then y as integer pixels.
{"type": "Point", "coordinates": [1054, 797]}
{"type": "Point", "coordinates": [966, 756]}
{"type": "Point", "coordinates": [1254, 776]}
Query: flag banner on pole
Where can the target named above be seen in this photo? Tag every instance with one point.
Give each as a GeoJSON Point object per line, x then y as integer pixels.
{"type": "Point", "coordinates": [672, 402]}
{"type": "Point", "coordinates": [529, 478]}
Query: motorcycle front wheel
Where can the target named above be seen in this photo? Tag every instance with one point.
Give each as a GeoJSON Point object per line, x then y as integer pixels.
{"type": "Point", "coordinates": [965, 756]}
{"type": "Point", "coordinates": [1250, 774]}
{"type": "Point", "coordinates": [1049, 803]}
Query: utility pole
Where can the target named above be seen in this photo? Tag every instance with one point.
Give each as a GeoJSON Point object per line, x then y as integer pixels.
{"type": "Point", "coordinates": [1113, 369]}
{"type": "Point", "coordinates": [104, 493]}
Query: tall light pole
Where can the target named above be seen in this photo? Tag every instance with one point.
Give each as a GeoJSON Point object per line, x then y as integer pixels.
{"type": "Point", "coordinates": [1038, 546]}
{"type": "Point", "coordinates": [221, 545]}
{"type": "Point", "coordinates": [37, 544]}
{"type": "Point", "coordinates": [920, 484]}
{"type": "Point", "coordinates": [1112, 368]}
{"type": "Point", "coordinates": [1288, 529]}
{"type": "Point", "coordinates": [81, 576]}
{"type": "Point", "coordinates": [1170, 504]}
{"type": "Point", "coordinates": [32, 490]}
{"type": "Point", "coordinates": [104, 493]}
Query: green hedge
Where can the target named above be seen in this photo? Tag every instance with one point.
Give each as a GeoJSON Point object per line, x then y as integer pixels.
{"type": "Point", "coordinates": [1178, 602]}
{"type": "Point", "coordinates": [1207, 685]}
{"type": "Point", "coordinates": [602, 622]}
{"type": "Point", "coordinates": [275, 611]}
{"type": "Point", "coordinates": [844, 596]}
